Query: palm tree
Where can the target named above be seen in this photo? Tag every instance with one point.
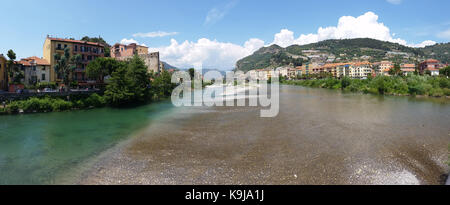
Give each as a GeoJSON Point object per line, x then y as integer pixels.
{"type": "Point", "coordinates": [65, 65]}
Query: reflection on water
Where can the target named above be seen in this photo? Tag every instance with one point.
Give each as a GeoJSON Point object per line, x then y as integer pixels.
{"type": "Point", "coordinates": [320, 137]}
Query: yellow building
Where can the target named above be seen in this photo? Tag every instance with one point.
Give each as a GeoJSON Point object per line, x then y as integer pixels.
{"type": "Point", "coordinates": [3, 74]}
{"type": "Point", "coordinates": [87, 50]}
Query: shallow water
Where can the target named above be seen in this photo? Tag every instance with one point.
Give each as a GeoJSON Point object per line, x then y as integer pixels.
{"type": "Point", "coordinates": [320, 137]}
{"type": "Point", "coordinates": [35, 148]}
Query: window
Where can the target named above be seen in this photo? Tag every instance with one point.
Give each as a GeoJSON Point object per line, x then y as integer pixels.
{"type": "Point", "coordinates": [59, 47]}
{"type": "Point", "coordinates": [89, 58]}
{"type": "Point", "coordinates": [43, 76]}
{"type": "Point", "coordinates": [75, 48]}
{"type": "Point", "coordinates": [65, 46]}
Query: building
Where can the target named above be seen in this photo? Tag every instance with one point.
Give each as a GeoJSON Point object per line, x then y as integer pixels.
{"type": "Point", "coordinates": [87, 50]}
{"type": "Point", "coordinates": [124, 52]}
{"type": "Point", "coordinates": [361, 70]}
{"type": "Point", "coordinates": [431, 65]}
{"type": "Point", "coordinates": [121, 50]}
{"type": "Point", "coordinates": [292, 73]}
{"type": "Point", "coordinates": [35, 70]}
{"type": "Point", "coordinates": [385, 67]}
{"type": "Point", "coordinates": [284, 71]}
{"type": "Point", "coordinates": [3, 74]}
{"type": "Point", "coordinates": [408, 69]}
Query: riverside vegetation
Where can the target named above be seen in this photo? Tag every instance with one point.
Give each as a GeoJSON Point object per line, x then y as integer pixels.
{"type": "Point", "coordinates": [413, 85]}
{"type": "Point", "coordinates": [130, 84]}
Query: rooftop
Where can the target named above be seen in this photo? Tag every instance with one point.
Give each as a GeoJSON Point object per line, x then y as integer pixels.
{"type": "Point", "coordinates": [75, 41]}
{"type": "Point", "coordinates": [33, 60]}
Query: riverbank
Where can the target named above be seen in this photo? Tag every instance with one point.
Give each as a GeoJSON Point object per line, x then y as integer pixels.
{"type": "Point", "coordinates": [319, 137]}
{"type": "Point", "coordinates": [418, 86]}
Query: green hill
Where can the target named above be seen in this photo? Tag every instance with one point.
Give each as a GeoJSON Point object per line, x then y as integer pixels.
{"type": "Point", "coordinates": [339, 51]}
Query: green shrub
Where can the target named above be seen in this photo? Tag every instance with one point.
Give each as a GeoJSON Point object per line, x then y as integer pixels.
{"type": "Point", "coordinates": [13, 107]}
{"type": "Point", "coordinates": [413, 85]}
{"type": "Point", "coordinates": [61, 105]}
{"type": "Point", "coordinates": [95, 100]}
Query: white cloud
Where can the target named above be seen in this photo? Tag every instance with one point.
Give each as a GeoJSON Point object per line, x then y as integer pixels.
{"type": "Point", "coordinates": [154, 34]}
{"type": "Point", "coordinates": [129, 41]}
{"type": "Point", "coordinates": [396, 2]}
{"type": "Point", "coordinates": [423, 44]}
{"type": "Point", "coordinates": [218, 13]}
{"type": "Point", "coordinates": [444, 34]}
{"type": "Point", "coordinates": [207, 53]}
{"type": "Point", "coordinates": [364, 26]}
{"type": "Point", "coordinates": [215, 54]}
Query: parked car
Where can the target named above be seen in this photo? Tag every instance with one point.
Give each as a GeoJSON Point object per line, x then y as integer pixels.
{"type": "Point", "coordinates": [49, 90]}
{"type": "Point", "coordinates": [22, 91]}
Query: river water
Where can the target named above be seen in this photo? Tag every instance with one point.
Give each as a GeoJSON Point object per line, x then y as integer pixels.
{"type": "Point", "coordinates": [319, 137]}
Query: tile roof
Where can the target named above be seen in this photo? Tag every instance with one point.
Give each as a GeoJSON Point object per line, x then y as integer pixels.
{"type": "Point", "coordinates": [33, 60]}
{"type": "Point", "coordinates": [431, 61]}
{"type": "Point", "coordinates": [75, 41]}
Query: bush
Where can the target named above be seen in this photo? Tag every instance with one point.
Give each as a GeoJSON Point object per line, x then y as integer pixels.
{"type": "Point", "coordinates": [413, 85]}
{"type": "Point", "coordinates": [61, 105]}
{"type": "Point", "coordinates": [13, 107]}
{"type": "Point", "coordinates": [94, 100]}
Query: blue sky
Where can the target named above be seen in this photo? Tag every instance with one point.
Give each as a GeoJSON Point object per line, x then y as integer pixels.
{"type": "Point", "coordinates": [215, 33]}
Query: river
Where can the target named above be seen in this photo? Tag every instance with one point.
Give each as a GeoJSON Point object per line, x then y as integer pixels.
{"type": "Point", "coordinates": [319, 137]}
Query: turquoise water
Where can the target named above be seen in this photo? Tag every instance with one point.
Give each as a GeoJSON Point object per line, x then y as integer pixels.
{"type": "Point", "coordinates": [35, 148]}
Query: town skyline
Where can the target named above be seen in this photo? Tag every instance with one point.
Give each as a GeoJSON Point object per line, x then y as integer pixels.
{"type": "Point", "coordinates": [208, 37]}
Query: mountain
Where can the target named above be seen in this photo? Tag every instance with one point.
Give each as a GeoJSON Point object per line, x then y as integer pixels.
{"type": "Point", "coordinates": [340, 51]}
{"type": "Point", "coordinates": [168, 66]}
{"type": "Point", "coordinates": [438, 51]}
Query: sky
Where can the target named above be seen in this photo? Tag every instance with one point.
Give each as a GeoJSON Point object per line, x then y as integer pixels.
{"type": "Point", "coordinates": [217, 33]}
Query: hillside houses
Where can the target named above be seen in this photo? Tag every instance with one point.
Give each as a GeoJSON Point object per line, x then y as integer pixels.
{"type": "Point", "coordinates": [355, 69]}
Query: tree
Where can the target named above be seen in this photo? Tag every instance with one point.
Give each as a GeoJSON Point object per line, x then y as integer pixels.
{"type": "Point", "coordinates": [12, 70]}
{"type": "Point", "coordinates": [445, 71]}
{"type": "Point", "coordinates": [101, 41]}
{"type": "Point", "coordinates": [161, 86]}
{"type": "Point", "coordinates": [191, 72]}
{"type": "Point", "coordinates": [396, 70]}
{"type": "Point", "coordinates": [129, 84]}
{"type": "Point", "coordinates": [65, 65]}
{"type": "Point", "coordinates": [101, 67]}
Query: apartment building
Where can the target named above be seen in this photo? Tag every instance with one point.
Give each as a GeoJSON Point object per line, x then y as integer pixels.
{"type": "Point", "coordinates": [35, 69]}
{"type": "Point", "coordinates": [431, 65]}
{"type": "Point", "coordinates": [408, 69]}
{"type": "Point", "coordinates": [124, 52]}
{"type": "Point", "coordinates": [121, 50]}
{"type": "Point", "coordinates": [385, 67]}
{"type": "Point", "coordinates": [88, 51]}
{"type": "Point", "coordinates": [3, 74]}
{"type": "Point", "coordinates": [360, 70]}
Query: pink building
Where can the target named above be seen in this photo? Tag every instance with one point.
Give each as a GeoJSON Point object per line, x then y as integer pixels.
{"type": "Point", "coordinates": [121, 50]}
{"type": "Point", "coordinates": [431, 65]}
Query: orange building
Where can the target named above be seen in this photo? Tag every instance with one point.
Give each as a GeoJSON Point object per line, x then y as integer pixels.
{"type": "Point", "coordinates": [88, 51]}
{"type": "Point", "coordinates": [121, 50]}
{"type": "Point", "coordinates": [408, 69]}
